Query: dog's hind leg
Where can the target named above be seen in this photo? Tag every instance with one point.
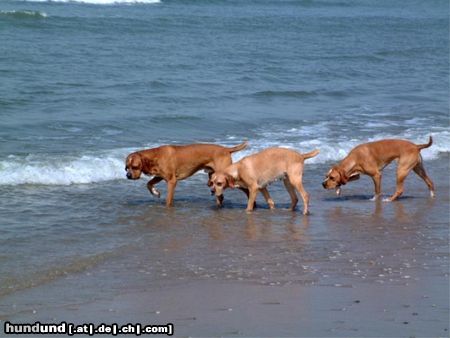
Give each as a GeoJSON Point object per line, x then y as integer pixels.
{"type": "Point", "coordinates": [403, 169]}
{"type": "Point", "coordinates": [420, 171]}
{"type": "Point", "coordinates": [298, 184]}
{"type": "Point", "coordinates": [290, 189]}
{"type": "Point", "coordinates": [269, 199]}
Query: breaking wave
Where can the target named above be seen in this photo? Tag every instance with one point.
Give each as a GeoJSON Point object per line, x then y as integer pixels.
{"type": "Point", "coordinates": [93, 167]}
{"type": "Point", "coordinates": [52, 170]}
{"type": "Point", "coordinates": [332, 148]}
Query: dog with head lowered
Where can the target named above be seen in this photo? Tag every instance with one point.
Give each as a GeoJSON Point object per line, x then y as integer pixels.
{"type": "Point", "coordinates": [371, 158]}
{"type": "Point", "coordinates": [173, 163]}
{"type": "Point", "coordinates": [257, 171]}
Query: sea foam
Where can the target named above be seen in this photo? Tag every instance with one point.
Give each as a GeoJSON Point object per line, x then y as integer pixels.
{"type": "Point", "coordinates": [304, 139]}
{"type": "Point", "coordinates": [93, 167]}
{"type": "Point", "coordinates": [52, 170]}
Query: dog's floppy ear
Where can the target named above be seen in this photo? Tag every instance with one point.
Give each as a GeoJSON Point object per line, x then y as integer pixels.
{"type": "Point", "coordinates": [353, 177]}
{"type": "Point", "coordinates": [345, 178]}
{"type": "Point", "coordinates": [230, 181]}
{"type": "Point", "coordinates": [210, 179]}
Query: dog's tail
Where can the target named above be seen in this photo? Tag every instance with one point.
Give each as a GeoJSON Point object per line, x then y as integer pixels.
{"type": "Point", "coordinates": [241, 146]}
{"type": "Point", "coordinates": [423, 146]}
{"type": "Point", "coordinates": [311, 154]}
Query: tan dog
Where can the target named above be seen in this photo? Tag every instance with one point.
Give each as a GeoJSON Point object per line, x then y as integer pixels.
{"type": "Point", "coordinates": [173, 163]}
{"type": "Point", "coordinates": [256, 171]}
{"type": "Point", "coordinates": [371, 158]}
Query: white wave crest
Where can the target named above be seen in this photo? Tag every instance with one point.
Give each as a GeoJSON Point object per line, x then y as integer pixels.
{"type": "Point", "coordinates": [48, 170]}
{"type": "Point", "coordinates": [45, 169]}
{"type": "Point", "coordinates": [332, 150]}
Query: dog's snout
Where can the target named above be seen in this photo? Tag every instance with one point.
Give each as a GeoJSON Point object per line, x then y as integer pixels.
{"type": "Point", "coordinates": [129, 176]}
{"type": "Point", "coordinates": [324, 184]}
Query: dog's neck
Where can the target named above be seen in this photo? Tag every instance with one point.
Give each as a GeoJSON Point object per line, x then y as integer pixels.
{"type": "Point", "coordinates": [233, 171]}
{"type": "Point", "coordinates": [349, 167]}
{"type": "Point", "coordinates": [150, 164]}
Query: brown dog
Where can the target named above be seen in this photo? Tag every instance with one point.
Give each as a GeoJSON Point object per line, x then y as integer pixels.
{"type": "Point", "coordinates": [173, 163]}
{"type": "Point", "coordinates": [256, 171]}
{"type": "Point", "coordinates": [371, 158]}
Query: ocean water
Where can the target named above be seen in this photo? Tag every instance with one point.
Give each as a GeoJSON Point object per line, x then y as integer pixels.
{"type": "Point", "coordinates": [84, 83]}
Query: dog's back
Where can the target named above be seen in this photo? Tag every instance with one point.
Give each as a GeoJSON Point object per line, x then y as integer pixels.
{"type": "Point", "coordinates": [387, 150]}
{"type": "Point", "coordinates": [271, 164]}
{"type": "Point", "coordinates": [277, 155]}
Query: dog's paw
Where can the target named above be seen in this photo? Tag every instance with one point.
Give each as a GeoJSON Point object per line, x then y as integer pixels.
{"type": "Point", "coordinates": [155, 192]}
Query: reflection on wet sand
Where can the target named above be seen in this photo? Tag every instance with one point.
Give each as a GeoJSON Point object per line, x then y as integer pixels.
{"type": "Point", "coordinates": [295, 226]}
{"type": "Point", "coordinates": [345, 241]}
{"type": "Point", "coordinates": [385, 242]}
{"type": "Point", "coordinates": [383, 210]}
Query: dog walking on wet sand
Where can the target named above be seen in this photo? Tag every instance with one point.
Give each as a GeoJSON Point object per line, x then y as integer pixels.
{"type": "Point", "coordinates": [173, 163]}
{"type": "Point", "coordinates": [256, 171]}
{"type": "Point", "coordinates": [371, 158]}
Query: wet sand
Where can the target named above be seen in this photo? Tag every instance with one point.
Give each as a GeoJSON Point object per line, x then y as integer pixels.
{"type": "Point", "coordinates": [352, 268]}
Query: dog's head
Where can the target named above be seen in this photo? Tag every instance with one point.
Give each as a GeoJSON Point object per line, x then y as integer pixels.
{"type": "Point", "coordinates": [133, 166]}
{"type": "Point", "coordinates": [337, 177]}
{"type": "Point", "coordinates": [219, 182]}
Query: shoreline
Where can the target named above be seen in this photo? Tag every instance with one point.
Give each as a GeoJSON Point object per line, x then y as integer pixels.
{"type": "Point", "coordinates": [351, 268]}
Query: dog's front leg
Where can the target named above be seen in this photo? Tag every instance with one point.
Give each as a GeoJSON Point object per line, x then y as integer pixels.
{"type": "Point", "coordinates": [151, 188]}
{"type": "Point", "coordinates": [252, 198]}
{"type": "Point", "coordinates": [219, 201]}
{"type": "Point", "coordinates": [171, 184]}
{"type": "Point", "coordinates": [245, 191]}
{"type": "Point", "coordinates": [377, 183]}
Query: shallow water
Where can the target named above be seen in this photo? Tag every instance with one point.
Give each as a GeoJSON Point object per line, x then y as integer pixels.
{"type": "Point", "coordinates": [392, 257]}
{"type": "Point", "coordinates": [347, 237]}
